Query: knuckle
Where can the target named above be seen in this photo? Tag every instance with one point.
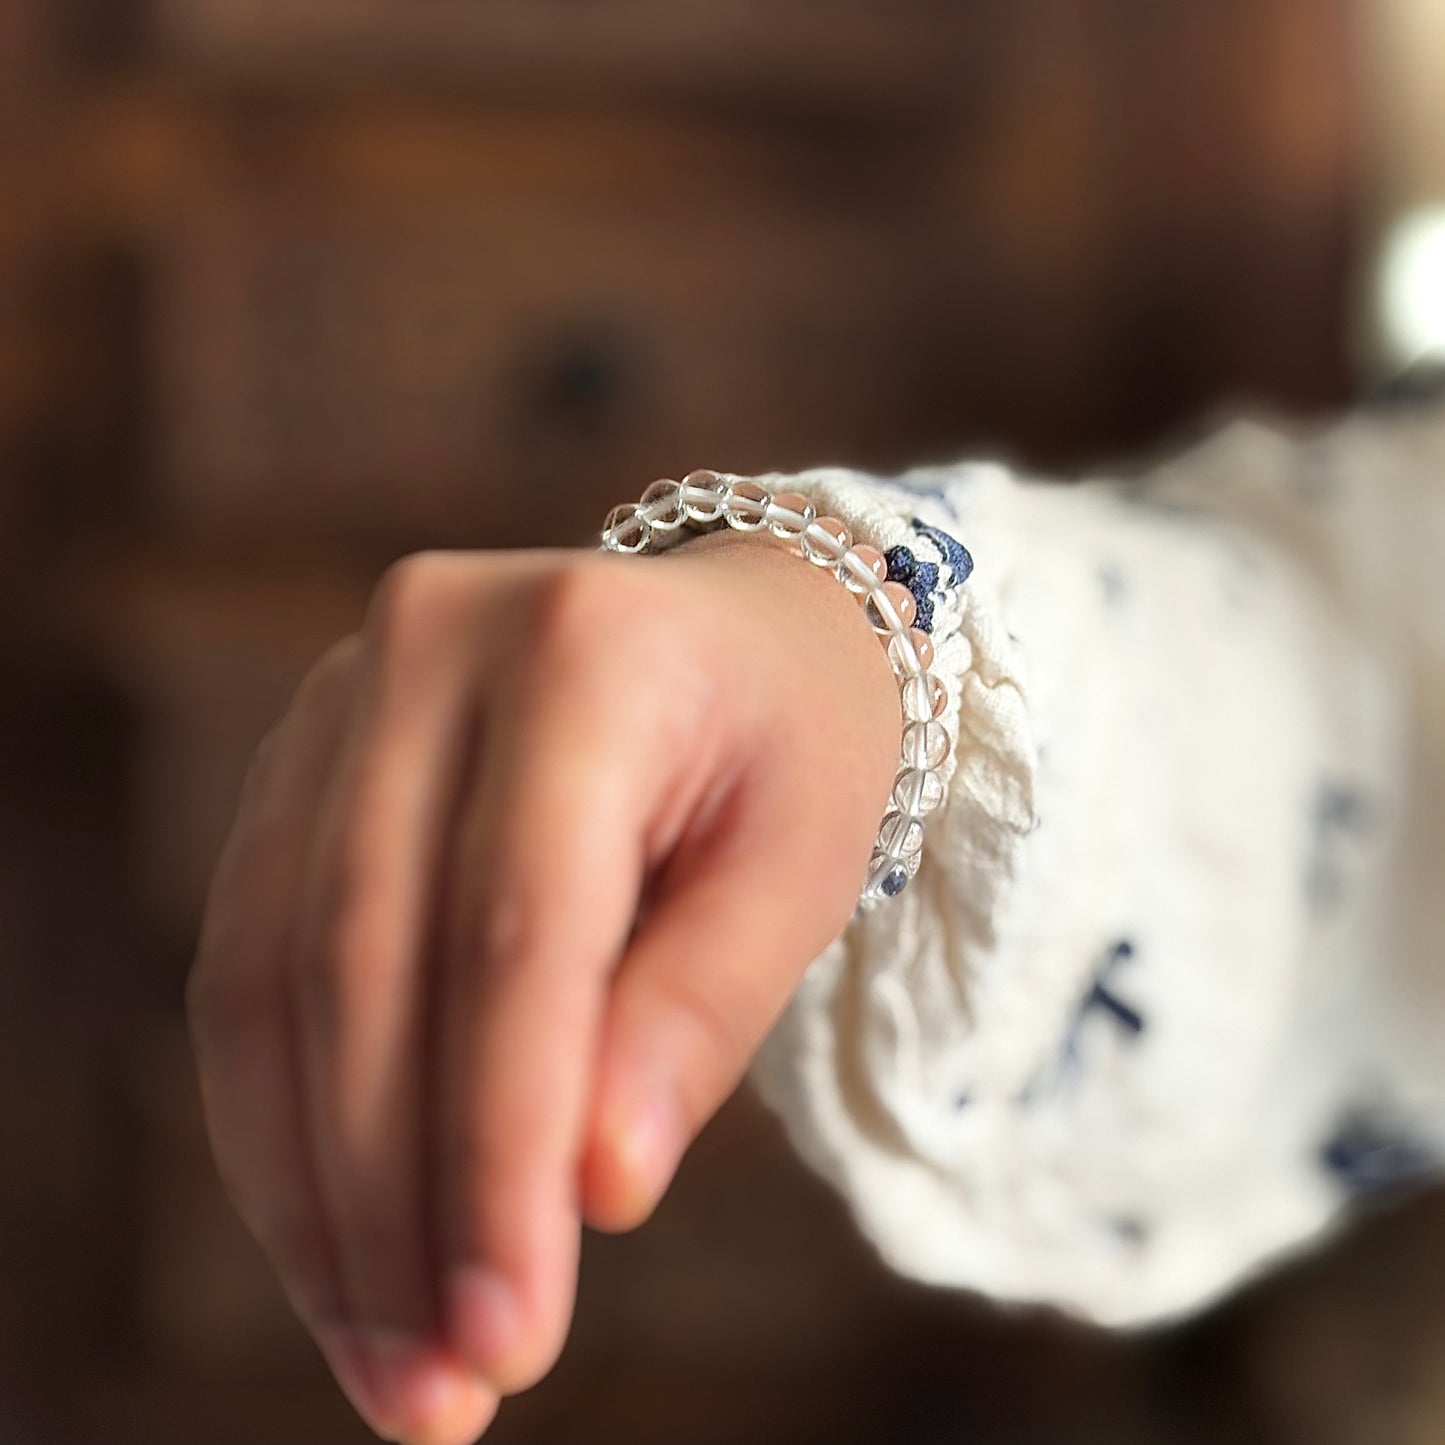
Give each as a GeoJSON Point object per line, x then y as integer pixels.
{"type": "Point", "coordinates": [507, 934]}
{"type": "Point", "coordinates": [575, 604]}
{"type": "Point", "coordinates": [721, 1043]}
{"type": "Point", "coordinates": [598, 625]}
{"type": "Point", "coordinates": [332, 677]}
{"type": "Point", "coordinates": [325, 691]}
{"type": "Point", "coordinates": [409, 600]}
{"type": "Point", "coordinates": [327, 686]}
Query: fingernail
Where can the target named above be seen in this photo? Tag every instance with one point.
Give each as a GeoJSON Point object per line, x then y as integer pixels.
{"type": "Point", "coordinates": [484, 1317]}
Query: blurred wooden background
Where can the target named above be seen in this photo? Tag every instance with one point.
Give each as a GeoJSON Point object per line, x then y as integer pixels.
{"type": "Point", "coordinates": [287, 289]}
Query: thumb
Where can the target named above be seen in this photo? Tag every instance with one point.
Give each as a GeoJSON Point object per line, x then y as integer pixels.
{"type": "Point", "coordinates": [702, 983]}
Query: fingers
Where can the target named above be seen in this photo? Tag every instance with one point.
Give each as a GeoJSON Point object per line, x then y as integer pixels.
{"type": "Point", "coordinates": [440, 1014]}
{"type": "Point", "coordinates": [360, 993]}
{"type": "Point", "coordinates": [701, 985]}
{"type": "Point", "coordinates": [549, 865]}
{"type": "Point", "coordinates": [239, 1015]}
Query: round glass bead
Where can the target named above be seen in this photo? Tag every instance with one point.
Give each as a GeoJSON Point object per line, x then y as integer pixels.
{"type": "Point", "coordinates": [888, 876]}
{"type": "Point", "coordinates": [703, 508]}
{"type": "Point", "coordinates": [625, 529]}
{"type": "Point", "coordinates": [746, 505]}
{"type": "Point", "coordinates": [790, 514]}
{"type": "Point", "coordinates": [925, 745]}
{"type": "Point", "coordinates": [879, 868]}
{"type": "Point", "coordinates": [903, 605]}
{"type": "Point", "coordinates": [917, 792]}
{"type": "Point", "coordinates": [862, 569]}
{"type": "Point", "coordinates": [825, 541]}
{"type": "Point", "coordinates": [900, 835]}
{"type": "Point", "coordinates": [914, 654]}
{"type": "Point", "coordinates": [924, 697]}
{"type": "Point", "coordinates": [663, 507]}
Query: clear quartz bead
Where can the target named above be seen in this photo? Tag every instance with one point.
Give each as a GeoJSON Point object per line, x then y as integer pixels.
{"type": "Point", "coordinates": [862, 569]}
{"type": "Point", "coordinates": [790, 514]}
{"type": "Point", "coordinates": [625, 529]}
{"type": "Point", "coordinates": [924, 697]}
{"type": "Point", "coordinates": [663, 507]}
{"type": "Point", "coordinates": [746, 505]}
{"type": "Point", "coordinates": [900, 835]}
{"type": "Point", "coordinates": [896, 596]}
{"type": "Point", "coordinates": [703, 496]}
{"type": "Point", "coordinates": [917, 792]}
{"type": "Point", "coordinates": [925, 745]}
{"type": "Point", "coordinates": [887, 876]}
{"type": "Point", "coordinates": [825, 541]}
{"type": "Point", "coordinates": [877, 868]}
{"type": "Point", "coordinates": [913, 654]}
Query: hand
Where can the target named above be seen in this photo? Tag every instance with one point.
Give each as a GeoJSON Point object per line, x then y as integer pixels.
{"type": "Point", "coordinates": [517, 886]}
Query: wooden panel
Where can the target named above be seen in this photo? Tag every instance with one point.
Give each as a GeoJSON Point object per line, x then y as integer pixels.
{"type": "Point", "coordinates": [496, 372]}
{"type": "Point", "coordinates": [207, 657]}
{"type": "Point", "coordinates": [906, 52]}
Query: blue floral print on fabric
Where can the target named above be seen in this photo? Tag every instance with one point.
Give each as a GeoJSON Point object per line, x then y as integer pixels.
{"type": "Point", "coordinates": [923, 577]}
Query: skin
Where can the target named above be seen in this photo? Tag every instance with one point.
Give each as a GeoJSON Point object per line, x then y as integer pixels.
{"type": "Point", "coordinates": [517, 886]}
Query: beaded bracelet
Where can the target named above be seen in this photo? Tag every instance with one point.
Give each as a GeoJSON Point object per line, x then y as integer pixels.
{"type": "Point", "coordinates": [897, 593]}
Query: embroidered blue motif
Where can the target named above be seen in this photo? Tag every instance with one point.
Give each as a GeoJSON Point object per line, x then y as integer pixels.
{"type": "Point", "coordinates": [902, 564]}
{"type": "Point", "coordinates": [1367, 1157]}
{"type": "Point", "coordinates": [922, 577]}
{"type": "Point", "coordinates": [1341, 816]}
{"type": "Point", "coordinates": [1101, 997]}
{"type": "Point", "coordinates": [955, 554]}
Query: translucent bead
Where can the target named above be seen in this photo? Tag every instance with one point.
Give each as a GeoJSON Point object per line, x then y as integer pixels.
{"type": "Point", "coordinates": [900, 835]}
{"type": "Point", "coordinates": [903, 606]}
{"type": "Point", "coordinates": [625, 529]}
{"type": "Point", "coordinates": [703, 496]}
{"type": "Point", "coordinates": [917, 792]}
{"type": "Point", "coordinates": [915, 654]}
{"type": "Point", "coordinates": [746, 505]}
{"type": "Point", "coordinates": [663, 507]}
{"type": "Point", "coordinates": [924, 697]}
{"type": "Point", "coordinates": [790, 514]}
{"type": "Point", "coordinates": [887, 876]}
{"type": "Point", "coordinates": [925, 745]}
{"type": "Point", "coordinates": [878, 869]}
{"type": "Point", "coordinates": [862, 569]}
{"type": "Point", "coordinates": [825, 541]}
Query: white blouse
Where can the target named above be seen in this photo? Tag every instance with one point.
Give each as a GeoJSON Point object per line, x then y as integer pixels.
{"type": "Point", "coordinates": [1168, 993]}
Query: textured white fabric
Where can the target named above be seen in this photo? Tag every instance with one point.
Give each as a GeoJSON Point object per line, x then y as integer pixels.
{"type": "Point", "coordinates": [1167, 993]}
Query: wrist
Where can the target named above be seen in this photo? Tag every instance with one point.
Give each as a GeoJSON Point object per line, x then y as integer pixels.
{"type": "Point", "coordinates": [882, 627]}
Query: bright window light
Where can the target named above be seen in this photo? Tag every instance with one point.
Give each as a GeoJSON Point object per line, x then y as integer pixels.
{"type": "Point", "coordinates": [1412, 287]}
